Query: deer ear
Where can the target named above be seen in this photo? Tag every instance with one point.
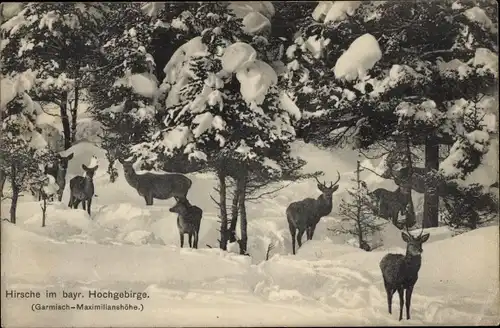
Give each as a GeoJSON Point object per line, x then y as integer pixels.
{"type": "Point", "coordinates": [424, 238]}
{"type": "Point", "coordinates": [84, 167]}
{"type": "Point", "coordinates": [95, 168]}
{"type": "Point", "coordinates": [334, 189]}
{"type": "Point", "coordinates": [405, 237]}
{"type": "Point", "coordinates": [69, 157]}
{"type": "Point", "coordinates": [320, 187]}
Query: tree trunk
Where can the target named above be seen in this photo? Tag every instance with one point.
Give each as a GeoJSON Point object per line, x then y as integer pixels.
{"type": "Point", "coordinates": [431, 196]}
{"type": "Point", "coordinates": [65, 121]}
{"type": "Point", "coordinates": [15, 194]}
{"type": "Point", "coordinates": [358, 207]}
{"type": "Point", "coordinates": [410, 218]}
{"type": "Point", "coordinates": [3, 177]}
{"type": "Point", "coordinates": [74, 116]}
{"type": "Point", "coordinates": [234, 217]}
{"type": "Point", "coordinates": [223, 211]}
{"type": "Point", "coordinates": [241, 192]}
{"type": "Point", "coordinates": [44, 209]}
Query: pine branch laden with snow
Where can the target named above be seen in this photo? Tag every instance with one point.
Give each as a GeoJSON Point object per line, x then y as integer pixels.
{"type": "Point", "coordinates": [222, 102]}
{"type": "Point", "coordinates": [125, 89]}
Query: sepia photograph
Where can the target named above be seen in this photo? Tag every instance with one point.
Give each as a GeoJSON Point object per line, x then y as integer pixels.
{"type": "Point", "coordinates": [249, 164]}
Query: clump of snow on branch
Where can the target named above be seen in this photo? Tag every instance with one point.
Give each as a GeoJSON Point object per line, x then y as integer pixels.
{"type": "Point", "coordinates": [237, 56]}
{"type": "Point", "coordinates": [178, 71]}
{"type": "Point", "coordinates": [50, 187]}
{"type": "Point", "coordinates": [12, 86]}
{"type": "Point", "coordinates": [484, 62]}
{"type": "Point", "coordinates": [242, 8]}
{"type": "Point", "coordinates": [360, 57]}
{"type": "Point", "coordinates": [152, 8]}
{"type": "Point", "coordinates": [256, 15]}
{"type": "Point", "coordinates": [426, 111]}
{"type": "Point", "coordinates": [93, 162]}
{"type": "Point", "coordinates": [289, 105]}
{"type": "Point", "coordinates": [143, 84]}
{"type": "Point", "coordinates": [255, 23]}
{"type": "Point", "coordinates": [340, 10]}
{"type": "Point", "coordinates": [479, 16]}
{"type": "Point", "coordinates": [255, 80]}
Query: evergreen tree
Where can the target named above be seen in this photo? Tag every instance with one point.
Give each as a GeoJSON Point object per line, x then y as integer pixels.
{"type": "Point", "coordinates": [405, 65]}
{"type": "Point", "coordinates": [222, 109]}
{"type": "Point", "coordinates": [358, 213]}
{"type": "Point", "coordinates": [57, 40]}
{"type": "Point", "coordinates": [23, 151]}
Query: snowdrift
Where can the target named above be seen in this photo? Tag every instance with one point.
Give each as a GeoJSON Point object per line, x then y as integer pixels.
{"type": "Point", "coordinates": [343, 286]}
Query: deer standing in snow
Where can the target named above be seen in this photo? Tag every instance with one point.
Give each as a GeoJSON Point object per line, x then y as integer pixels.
{"type": "Point", "coordinates": [159, 186]}
{"type": "Point", "coordinates": [304, 215]}
{"type": "Point", "coordinates": [400, 272]}
{"type": "Point", "coordinates": [188, 220]}
{"type": "Point", "coordinates": [82, 188]}
{"type": "Point", "coordinates": [388, 204]}
{"type": "Point", "coordinates": [58, 170]}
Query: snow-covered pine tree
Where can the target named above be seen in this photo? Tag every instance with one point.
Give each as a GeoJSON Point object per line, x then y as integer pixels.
{"type": "Point", "coordinates": [56, 40]}
{"type": "Point", "coordinates": [357, 212]}
{"type": "Point", "coordinates": [222, 107]}
{"type": "Point", "coordinates": [423, 58]}
{"type": "Point", "coordinates": [124, 85]}
{"type": "Point", "coordinates": [23, 151]}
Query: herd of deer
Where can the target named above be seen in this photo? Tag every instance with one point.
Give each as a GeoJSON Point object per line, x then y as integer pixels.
{"type": "Point", "coordinates": [399, 272]}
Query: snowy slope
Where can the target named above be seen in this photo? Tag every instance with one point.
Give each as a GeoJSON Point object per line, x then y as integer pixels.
{"type": "Point", "coordinates": [209, 287]}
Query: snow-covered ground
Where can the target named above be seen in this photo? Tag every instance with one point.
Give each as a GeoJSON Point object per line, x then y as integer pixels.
{"type": "Point", "coordinates": [128, 246]}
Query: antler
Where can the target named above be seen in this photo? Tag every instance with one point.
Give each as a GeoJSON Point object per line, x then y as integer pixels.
{"type": "Point", "coordinates": [331, 183]}
{"type": "Point", "coordinates": [338, 179]}
{"type": "Point", "coordinates": [319, 182]}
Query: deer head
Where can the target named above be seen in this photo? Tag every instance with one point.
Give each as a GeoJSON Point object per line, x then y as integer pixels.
{"type": "Point", "coordinates": [414, 244]}
{"type": "Point", "coordinates": [181, 206]}
{"type": "Point", "coordinates": [327, 191]}
{"type": "Point", "coordinates": [89, 171]}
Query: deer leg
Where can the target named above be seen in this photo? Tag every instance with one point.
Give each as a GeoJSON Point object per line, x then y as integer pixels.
{"type": "Point", "coordinates": [149, 199]}
{"type": "Point", "coordinates": [190, 239]}
{"type": "Point", "coordinates": [76, 202]}
{"type": "Point", "coordinates": [89, 202]}
{"type": "Point", "coordinates": [83, 205]}
{"type": "Point", "coordinates": [389, 293]}
{"type": "Point", "coordinates": [59, 196]}
{"type": "Point", "coordinates": [313, 228]}
{"type": "Point", "coordinates": [70, 203]}
{"type": "Point", "coordinates": [409, 291]}
{"type": "Point", "coordinates": [196, 240]}
{"type": "Point", "coordinates": [299, 237]}
{"type": "Point", "coordinates": [292, 233]}
{"type": "Point", "coordinates": [401, 302]}
{"type": "Point", "coordinates": [181, 235]}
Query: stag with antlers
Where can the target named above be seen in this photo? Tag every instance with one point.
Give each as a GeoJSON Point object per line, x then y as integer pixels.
{"type": "Point", "coordinates": [400, 272]}
{"type": "Point", "coordinates": [304, 215]}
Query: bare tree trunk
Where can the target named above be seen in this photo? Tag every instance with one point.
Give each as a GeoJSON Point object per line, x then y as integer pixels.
{"type": "Point", "coordinates": [15, 194]}
{"type": "Point", "coordinates": [241, 192]}
{"type": "Point", "coordinates": [431, 196]}
{"type": "Point", "coordinates": [74, 116]}
{"type": "Point", "coordinates": [358, 207]}
{"type": "Point", "coordinates": [65, 121]}
{"type": "Point", "coordinates": [234, 217]}
{"type": "Point", "coordinates": [3, 177]}
{"type": "Point", "coordinates": [223, 210]}
{"type": "Point", "coordinates": [410, 219]}
{"type": "Point", "coordinates": [44, 209]}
